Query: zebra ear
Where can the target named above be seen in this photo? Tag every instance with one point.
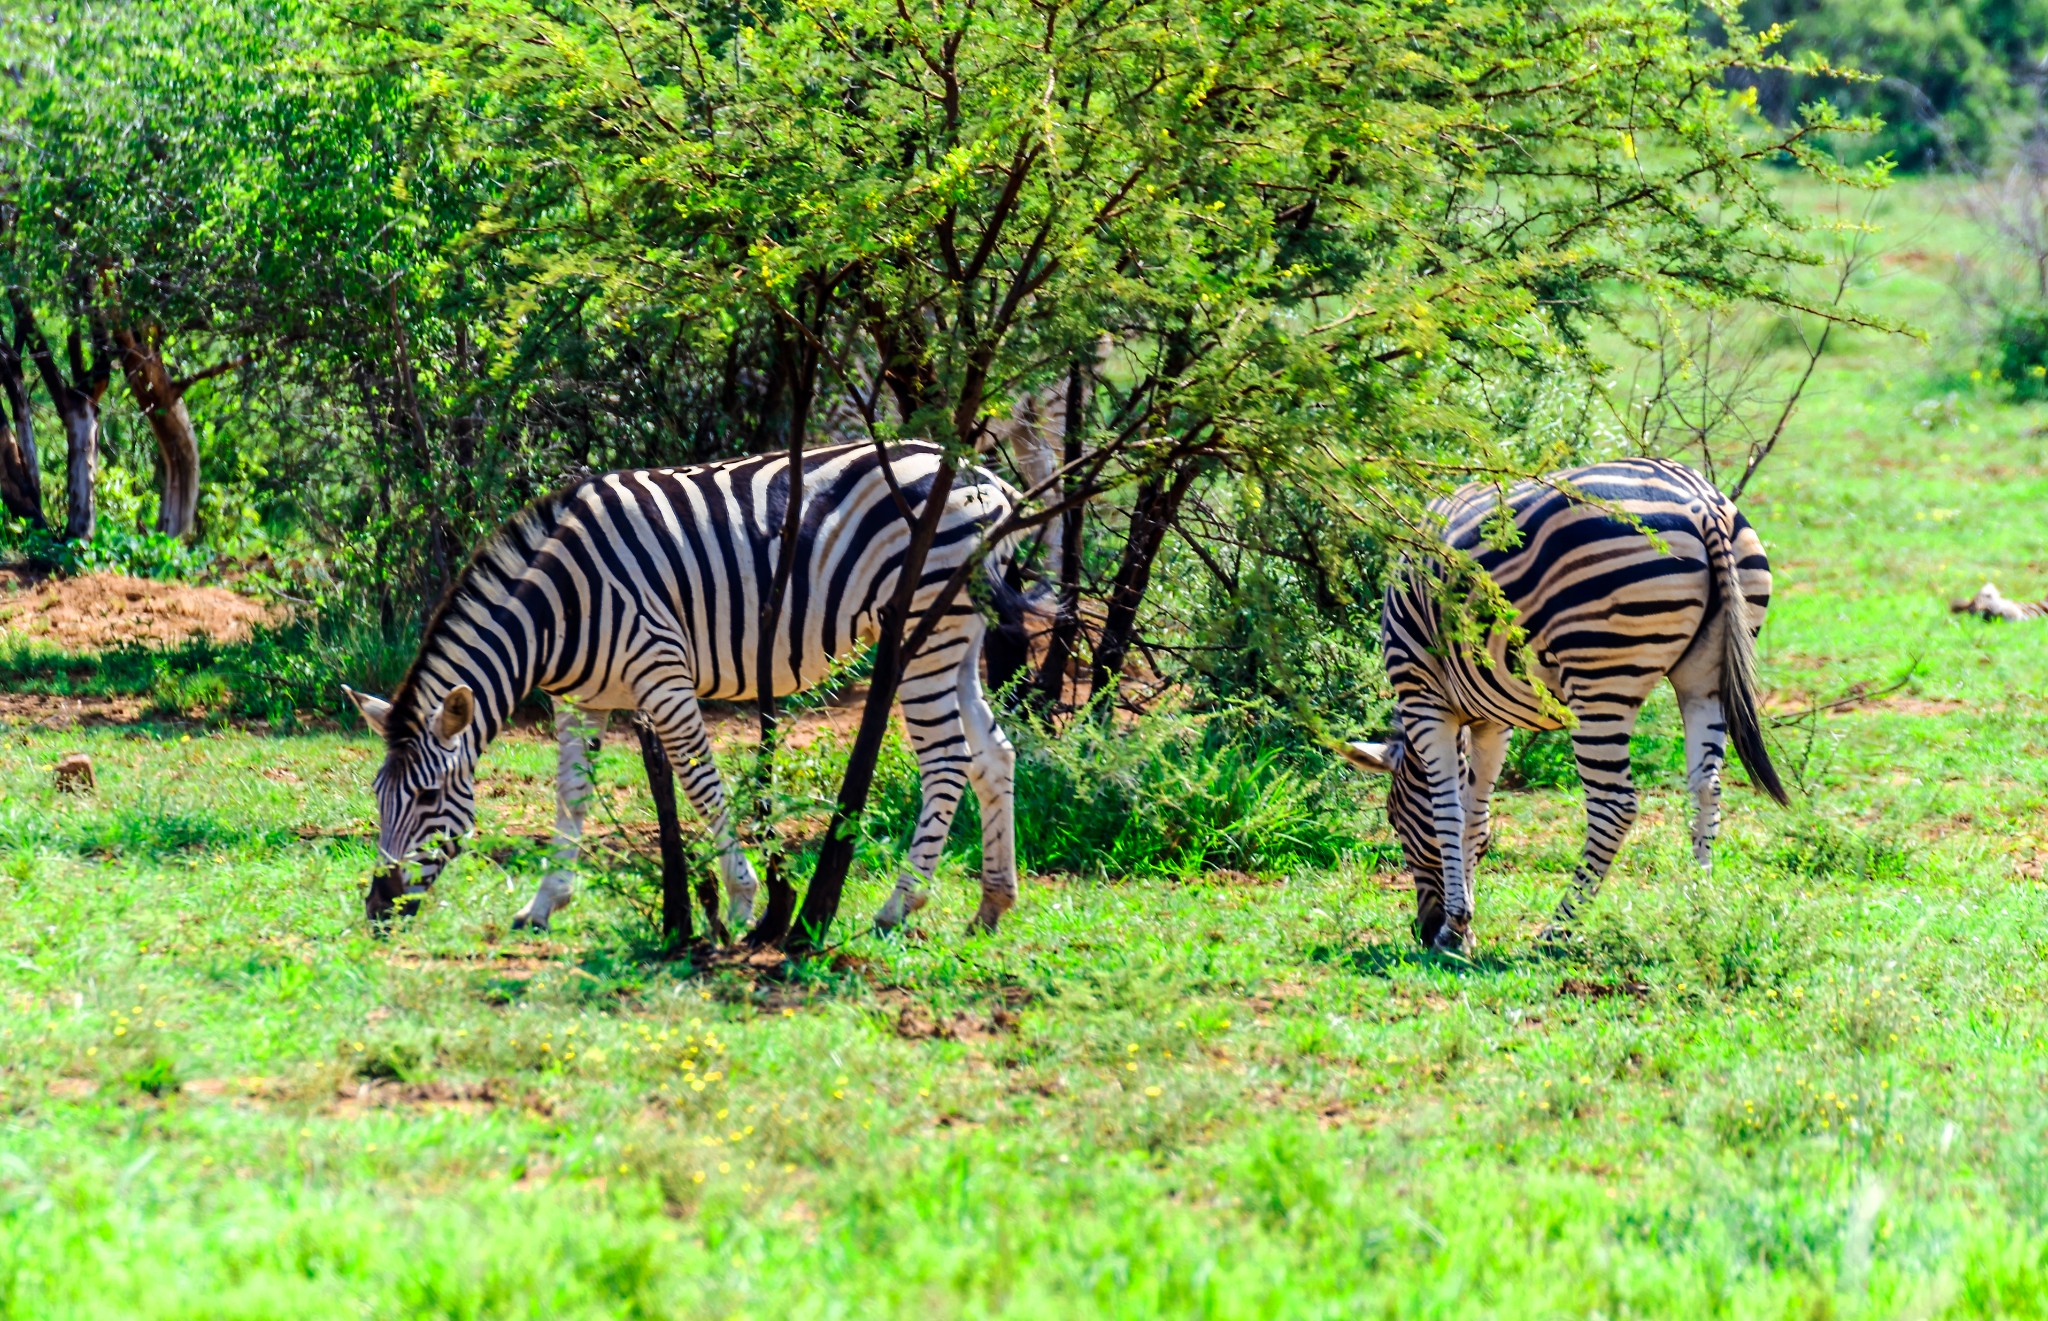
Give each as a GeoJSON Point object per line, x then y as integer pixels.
{"type": "Point", "coordinates": [376, 711]}
{"type": "Point", "coordinates": [1380, 758]}
{"type": "Point", "coordinates": [452, 718]}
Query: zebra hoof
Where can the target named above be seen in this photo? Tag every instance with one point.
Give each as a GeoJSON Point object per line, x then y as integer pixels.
{"type": "Point", "coordinates": [898, 909]}
{"type": "Point", "coordinates": [1452, 938]}
{"type": "Point", "coordinates": [1555, 941]}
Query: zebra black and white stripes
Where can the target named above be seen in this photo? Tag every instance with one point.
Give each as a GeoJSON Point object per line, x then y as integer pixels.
{"type": "Point", "coordinates": [1607, 611]}
{"type": "Point", "coordinates": [643, 589]}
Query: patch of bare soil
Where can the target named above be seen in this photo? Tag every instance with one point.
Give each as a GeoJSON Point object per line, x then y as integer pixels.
{"type": "Point", "coordinates": [384, 1094]}
{"type": "Point", "coordinates": [915, 1020]}
{"type": "Point", "coordinates": [53, 712]}
{"type": "Point", "coordinates": [1587, 989]}
{"type": "Point", "coordinates": [253, 1087]}
{"type": "Point", "coordinates": [1793, 703]}
{"type": "Point", "coordinates": [102, 610]}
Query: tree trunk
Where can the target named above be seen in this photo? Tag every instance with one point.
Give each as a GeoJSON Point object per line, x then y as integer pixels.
{"type": "Point", "coordinates": [162, 401]}
{"type": "Point", "coordinates": [81, 468]}
{"type": "Point", "coordinates": [21, 476]}
{"type": "Point", "coordinates": [675, 866]}
{"type": "Point", "coordinates": [76, 400]}
{"type": "Point", "coordinates": [1153, 513]}
{"type": "Point", "coordinates": [773, 927]}
{"type": "Point", "coordinates": [1066, 627]}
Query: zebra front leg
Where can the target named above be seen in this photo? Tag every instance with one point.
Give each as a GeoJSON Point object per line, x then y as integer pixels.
{"type": "Point", "coordinates": [929, 695]}
{"type": "Point", "coordinates": [679, 721]}
{"type": "Point", "coordinates": [577, 734]}
{"type": "Point", "coordinates": [1600, 744]}
{"type": "Point", "coordinates": [992, 769]}
{"type": "Point", "coordinates": [1434, 740]}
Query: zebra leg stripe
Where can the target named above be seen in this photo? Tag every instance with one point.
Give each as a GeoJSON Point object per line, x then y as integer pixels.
{"type": "Point", "coordinates": [679, 722]}
{"type": "Point", "coordinates": [993, 770]}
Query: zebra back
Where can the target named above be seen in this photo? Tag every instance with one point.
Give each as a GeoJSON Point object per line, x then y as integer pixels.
{"type": "Point", "coordinates": [691, 552]}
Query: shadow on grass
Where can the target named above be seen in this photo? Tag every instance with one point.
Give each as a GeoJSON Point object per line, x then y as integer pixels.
{"type": "Point", "coordinates": [1382, 958]}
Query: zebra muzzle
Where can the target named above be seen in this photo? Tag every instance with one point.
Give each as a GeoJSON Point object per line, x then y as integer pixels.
{"type": "Point", "coordinates": [388, 896]}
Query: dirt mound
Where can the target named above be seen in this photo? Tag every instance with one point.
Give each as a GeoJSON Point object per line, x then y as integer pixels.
{"type": "Point", "coordinates": [103, 610]}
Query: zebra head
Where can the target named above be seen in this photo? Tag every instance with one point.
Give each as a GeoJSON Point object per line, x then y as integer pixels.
{"type": "Point", "coordinates": [426, 789]}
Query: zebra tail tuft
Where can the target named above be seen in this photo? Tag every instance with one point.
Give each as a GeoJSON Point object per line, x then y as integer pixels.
{"type": "Point", "coordinates": [1740, 700]}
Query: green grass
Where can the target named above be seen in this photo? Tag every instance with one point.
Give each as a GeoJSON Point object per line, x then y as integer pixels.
{"type": "Point", "coordinates": [1810, 1086]}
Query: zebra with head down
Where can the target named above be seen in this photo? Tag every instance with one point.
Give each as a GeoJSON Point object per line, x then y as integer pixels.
{"type": "Point", "coordinates": [643, 590]}
{"type": "Point", "coordinates": [578, 735]}
{"type": "Point", "coordinates": [1607, 611]}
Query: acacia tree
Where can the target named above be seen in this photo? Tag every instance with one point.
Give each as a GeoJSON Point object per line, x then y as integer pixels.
{"type": "Point", "coordinates": [1313, 232]}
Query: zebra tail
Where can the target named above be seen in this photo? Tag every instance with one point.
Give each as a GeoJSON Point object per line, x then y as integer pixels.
{"type": "Point", "coordinates": [1740, 700]}
{"type": "Point", "coordinates": [1017, 608]}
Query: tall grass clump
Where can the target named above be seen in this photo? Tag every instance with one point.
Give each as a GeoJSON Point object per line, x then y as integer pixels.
{"type": "Point", "coordinates": [1173, 795]}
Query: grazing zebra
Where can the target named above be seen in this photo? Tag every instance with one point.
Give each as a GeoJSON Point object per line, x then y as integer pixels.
{"type": "Point", "coordinates": [1608, 611]}
{"type": "Point", "coordinates": [643, 589]}
{"type": "Point", "coordinates": [1989, 603]}
{"type": "Point", "coordinates": [578, 734]}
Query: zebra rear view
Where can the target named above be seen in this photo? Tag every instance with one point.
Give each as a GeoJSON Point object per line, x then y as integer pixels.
{"type": "Point", "coordinates": [1621, 574]}
{"type": "Point", "coordinates": [644, 589]}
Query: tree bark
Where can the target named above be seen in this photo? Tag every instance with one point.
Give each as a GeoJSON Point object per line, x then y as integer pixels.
{"type": "Point", "coordinates": [675, 868]}
{"type": "Point", "coordinates": [773, 928]}
{"type": "Point", "coordinates": [21, 476]}
{"type": "Point", "coordinates": [1066, 628]}
{"type": "Point", "coordinates": [162, 401]}
{"type": "Point", "coordinates": [77, 401]}
{"type": "Point", "coordinates": [1157, 503]}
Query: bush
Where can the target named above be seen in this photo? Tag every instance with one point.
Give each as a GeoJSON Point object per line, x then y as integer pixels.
{"type": "Point", "coordinates": [2020, 346]}
{"type": "Point", "coordinates": [112, 549]}
{"type": "Point", "coordinates": [1173, 796]}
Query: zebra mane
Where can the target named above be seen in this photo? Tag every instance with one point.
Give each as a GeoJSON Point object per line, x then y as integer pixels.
{"type": "Point", "coordinates": [495, 564]}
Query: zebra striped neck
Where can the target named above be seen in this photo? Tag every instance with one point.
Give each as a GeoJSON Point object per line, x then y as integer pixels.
{"type": "Point", "coordinates": [471, 639]}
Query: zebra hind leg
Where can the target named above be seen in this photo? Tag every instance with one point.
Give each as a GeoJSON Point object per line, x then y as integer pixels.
{"type": "Point", "coordinates": [1601, 745]}
{"type": "Point", "coordinates": [993, 772]}
{"type": "Point", "coordinates": [929, 696]}
{"type": "Point", "coordinates": [1438, 743]}
{"type": "Point", "coordinates": [1706, 751]}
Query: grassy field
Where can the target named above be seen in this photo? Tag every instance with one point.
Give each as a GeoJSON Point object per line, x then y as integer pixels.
{"type": "Point", "coordinates": [1811, 1086]}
